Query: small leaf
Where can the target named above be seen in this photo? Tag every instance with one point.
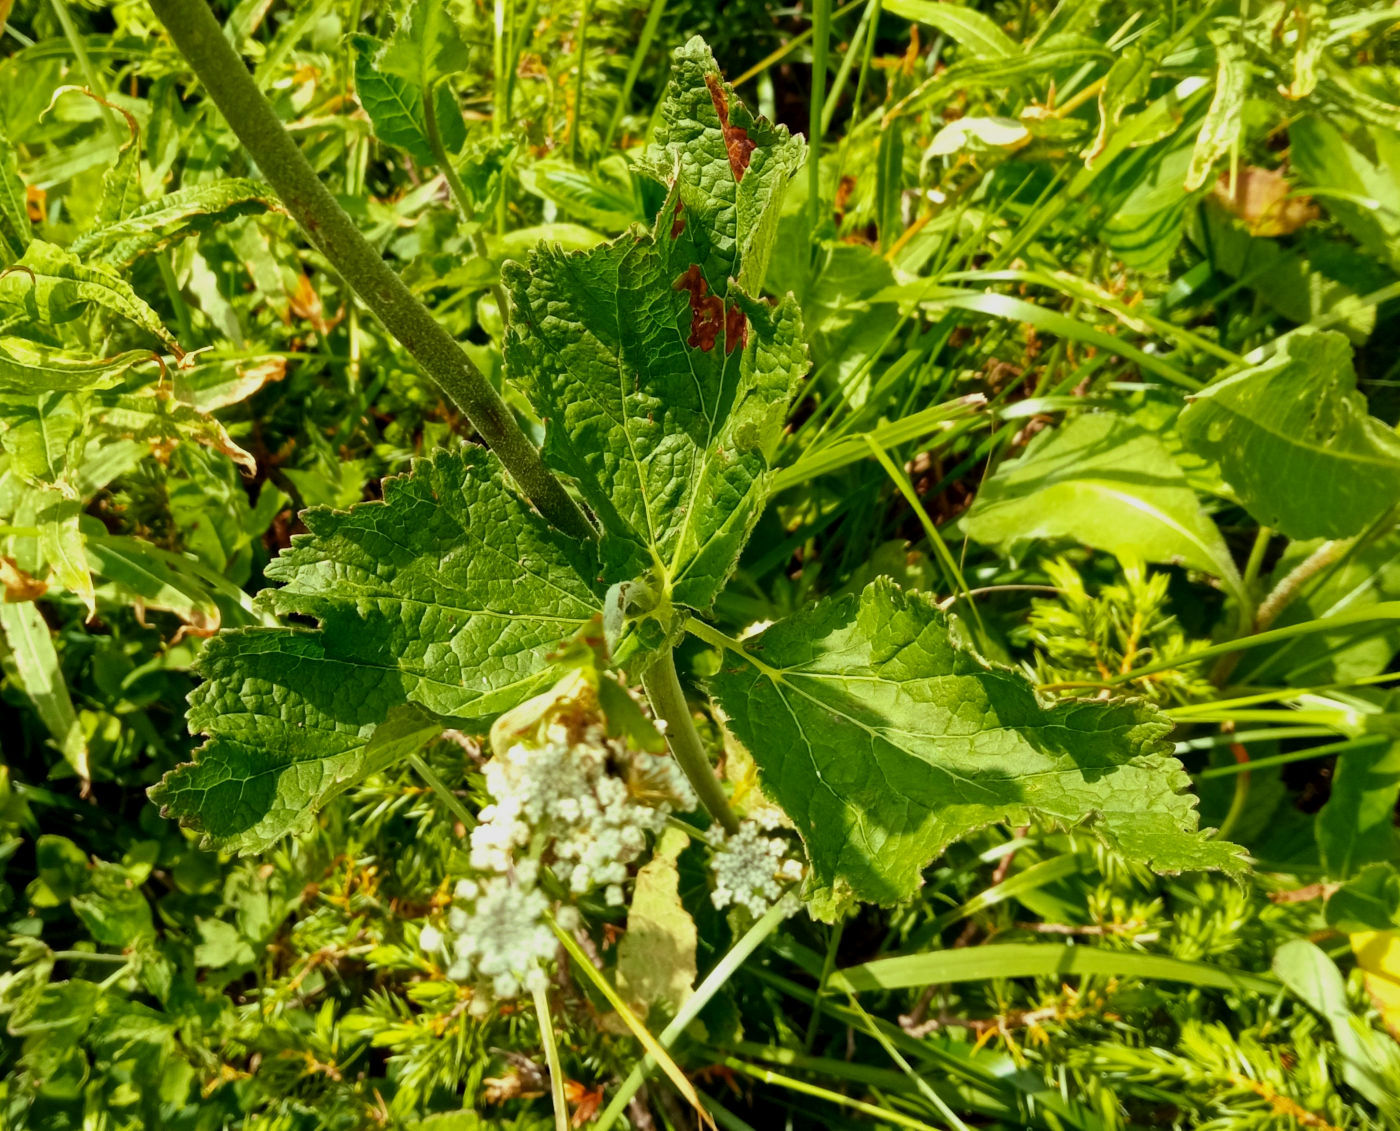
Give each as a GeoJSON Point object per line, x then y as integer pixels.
{"type": "Point", "coordinates": [885, 741]}
{"type": "Point", "coordinates": [426, 46]}
{"type": "Point", "coordinates": [1224, 120]}
{"type": "Point", "coordinates": [37, 673]}
{"type": "Point", "coordinates": [15, 228]}
{"type": "Point", "coordinates": [1356, 827]}
{"type": "Point", "coordinates": [30, 368]}
{"type": "Point", "coordinates": [1127, 82]}
{"type": "Point", "coordinates": [1103, 481]}
{"type": "Point", "coordinates": [395, 107]}
{"type": "Point", "coordinates": [979, 136]}
{"type": "Point", "coordinates": [1293, 438]}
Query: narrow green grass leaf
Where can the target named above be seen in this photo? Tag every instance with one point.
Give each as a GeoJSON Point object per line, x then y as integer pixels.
{"type": "Point", "coordinates": [1040, 960]}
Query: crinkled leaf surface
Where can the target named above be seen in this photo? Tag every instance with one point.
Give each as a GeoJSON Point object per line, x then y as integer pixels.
{"type": "Point", "coordinates": [1295, 441]}
{"type": "Point", "coordinates": [451, 595]}
{"type": "Point", "coordinates": [885, 741]}
{"type": "Point", "coordinates": [1102, 480]}
{"type": "Point", "coordinates": [664, 383]}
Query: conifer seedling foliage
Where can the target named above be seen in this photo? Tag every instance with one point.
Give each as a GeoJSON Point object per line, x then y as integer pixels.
{"type": "Point", "coordinates": [664, 379]}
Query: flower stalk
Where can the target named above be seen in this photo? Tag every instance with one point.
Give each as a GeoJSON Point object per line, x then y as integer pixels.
{"type": "Point", "coordinates": [663, 688]}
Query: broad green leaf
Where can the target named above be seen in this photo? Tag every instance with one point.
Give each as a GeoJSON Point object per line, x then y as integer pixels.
{"type": "Point", "coordinates": [15, 228]}
{"type": "Point", "coordinates": [451, 594]}
{"type": "Point", "coordinates": [1220, 132]}
{"type": "Point", "coordinates": [452, 588]}
{"type": "Point", "coordinates": [1293, 438]}
{"type": "Point", "coordinates": [34, 663]}
{"type": "Point", "coordinates": [395, 107]}
{"type": "Point", "coordinates": [1363, 194]}
{"type": "Point", "coordinates": [41, 433]}
{"type": "Point", "coordinates": [1314, 979]}
{"type": "Point", "coordinates": [49, 286]}
{"type": "Point", "coordinates": [968, 27]}
{"type": "Point", "coordinates": [426, 46]}
{"type": "Point", "coordinates": [27, 367]}
{"type": "Point", "coordinates": [664, 384]}
{"type": "Point", "coordinates": [885, 741]}
{"type": "Point", "coordinates": [1357, 825]}
{"type": "Point", "coordinates": [155, 226]}
{"type": "Point", "coordinates": [61, 544]}
{"type": "Point", "coordinates": [1103, 481]}
{"type": "Point", "coordinates": [289, 728]}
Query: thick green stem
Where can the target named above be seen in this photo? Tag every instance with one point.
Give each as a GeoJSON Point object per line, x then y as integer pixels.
{"type": "Point", "coordinates": [200, 39]}
{"type": "Point", "coordinates": [663, 688]}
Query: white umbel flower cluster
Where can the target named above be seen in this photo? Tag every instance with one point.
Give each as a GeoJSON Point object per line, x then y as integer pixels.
{"type": "Point", "coordinates": [564, 791]}
{"type": "Point", "coordinates": [563, 794]}
{"type": "Point", "coordinates": [752, 870]}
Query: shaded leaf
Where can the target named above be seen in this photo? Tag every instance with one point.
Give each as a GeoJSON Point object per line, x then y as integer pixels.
{"type": "Point", "coordinates": [885, 741]}
{"type": "Point", "coordinates": [34, 664]}
{"type": "Point", "coordinates": [1293, 438]}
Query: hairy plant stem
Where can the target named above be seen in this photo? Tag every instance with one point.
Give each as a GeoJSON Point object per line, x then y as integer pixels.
{"type": "Point", "coordinates": [201, 41]}
{"type": "Point", "coordinates": [663, 688]}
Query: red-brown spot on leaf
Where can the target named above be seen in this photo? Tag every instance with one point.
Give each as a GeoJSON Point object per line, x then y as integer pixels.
{"type": "Point", "coordinates": [736, 330]}
{"type": "Point", "coordinates": [707, 317]}
{"type": "Point", "coordinates": [736, 138]}
{"type": "Point", "coordinates": [677, 224]}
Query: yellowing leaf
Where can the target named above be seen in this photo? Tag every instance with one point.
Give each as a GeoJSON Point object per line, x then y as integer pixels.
{"type": "Point", "coordinates": [1378, 955]}
{"type": "Point", "coordinates": [656, 958]}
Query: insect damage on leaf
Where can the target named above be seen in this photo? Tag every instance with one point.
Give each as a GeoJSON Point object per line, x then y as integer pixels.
{"type": "Point", "coordinates": [736, 139]}
{"type": "Point", "coordinates": [668, 436]}
{"type": "Point", "coordinates": [708, 315]}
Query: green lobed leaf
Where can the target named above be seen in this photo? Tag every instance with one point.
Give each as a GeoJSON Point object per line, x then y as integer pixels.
{"type": "Point", "coordinates": [664, 384]}
{"type": "Point", "coordinates": [885, 741]}
{"type": "Point", "coordinates": [1101, 480]}
{"type": "Point", "coordinates": [451, 595]}
{"type": "Point", "coordinates": [1295, 441]}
